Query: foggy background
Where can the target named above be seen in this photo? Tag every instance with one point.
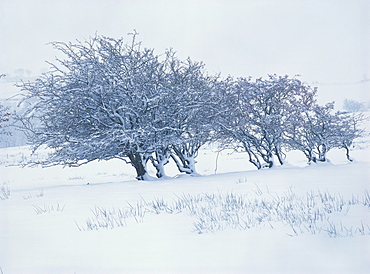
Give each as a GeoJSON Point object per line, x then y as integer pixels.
{"type": "Point", "coordinates": [326, 42]}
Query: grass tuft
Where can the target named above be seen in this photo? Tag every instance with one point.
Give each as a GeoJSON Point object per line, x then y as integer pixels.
{"type": "Point", "coordinates": [37, 195]}
{"type": "Point", "coordinates": [313, 213]}
{"type": "Point", "coordinates": [4, 192]}
{"type": "Point", "coordinates": [48, 208]}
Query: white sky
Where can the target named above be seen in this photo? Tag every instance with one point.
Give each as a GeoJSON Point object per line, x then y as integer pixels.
{"type": "Point", "coordinates": [327, 42]}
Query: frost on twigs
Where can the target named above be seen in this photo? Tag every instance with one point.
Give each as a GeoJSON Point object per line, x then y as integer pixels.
{"type": "Point", "coordinates": [111, 99]}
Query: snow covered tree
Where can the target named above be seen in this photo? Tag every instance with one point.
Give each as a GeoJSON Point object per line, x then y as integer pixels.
{"type": "Point", "coordinates": [4, 115]}
{"type": "Point", "coordinates": [259, 112]}
{"type": "Point", "coordinates": [348, 129]}
{"type": "Point", "coordinates": [109, 99]}
{"type": "Point", "coordinates": [96, 104]}
{"type": "Point", "coordinates": [353, 106]}
{"type": "Point", "coordinates": [310, 132]}
{"type": "Point", "coordinates": [317, 130]}
{"type": "Point", "coordinates": [188, 108]}
{"type": "Point", "coordinates": [4, 118]}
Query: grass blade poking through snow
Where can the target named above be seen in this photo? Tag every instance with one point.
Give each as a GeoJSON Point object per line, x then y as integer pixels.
{"type": "Point", "coordinates": [313, 213]}
{"type": "Point", "coordinates": [4, 192]}
{"type": "Point", "coordinates": [48, 208]}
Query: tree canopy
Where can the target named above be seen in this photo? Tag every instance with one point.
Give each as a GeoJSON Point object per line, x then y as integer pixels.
{"type": "Point", "coordinates": [112, 99]}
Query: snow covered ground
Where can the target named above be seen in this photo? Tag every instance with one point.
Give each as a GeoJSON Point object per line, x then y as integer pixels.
{"type": "Point", "coordinates": [233, 219]}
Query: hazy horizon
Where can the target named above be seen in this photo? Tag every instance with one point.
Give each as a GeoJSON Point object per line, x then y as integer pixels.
{"type": "Point", "coordinates": [326, 42]}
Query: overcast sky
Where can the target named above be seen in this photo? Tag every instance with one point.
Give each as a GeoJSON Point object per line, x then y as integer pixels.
{"type": "Point", "coordinates": [327, 42]}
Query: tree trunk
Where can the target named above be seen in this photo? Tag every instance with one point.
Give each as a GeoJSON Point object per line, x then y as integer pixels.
{"type": "Point", "coordinates": [347, 154]}
{"type": "Point", "coordinates": [138, 161]}
{"type": "Point", "coordinates": [185, 163]}
{"type": "Point", "coordinates": [308, 153]}
{"type": "Point", "coordinates": [268, 158]}
{"type": "Point", "coordinates": [269, 162]}
{"type": "Point", "coordinates": [322, 153]}
{"type": "Point", "coordinates": [279, 155]}
{"type": "Point", "coordinates": [252, 156]}
{"type": "Point", "coordinates": [162, 157]}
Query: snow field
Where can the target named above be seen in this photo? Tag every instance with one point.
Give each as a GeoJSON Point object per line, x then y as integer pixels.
{"type": "Point", "coordinates": [229, 222]}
